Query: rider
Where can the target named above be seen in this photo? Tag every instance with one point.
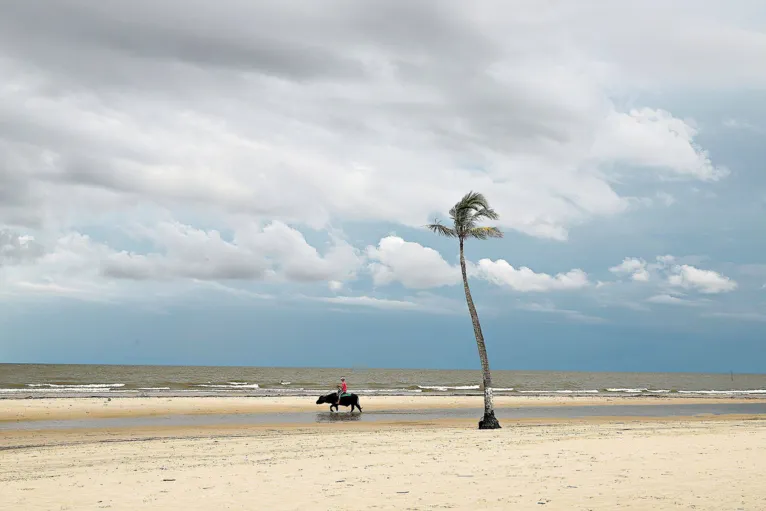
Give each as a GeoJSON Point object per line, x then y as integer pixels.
{"type": "Point", "coordinates": [342, 388]}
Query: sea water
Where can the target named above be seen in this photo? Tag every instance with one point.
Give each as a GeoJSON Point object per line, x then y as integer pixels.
{"type": "Point", "coordinates": [41, 380]}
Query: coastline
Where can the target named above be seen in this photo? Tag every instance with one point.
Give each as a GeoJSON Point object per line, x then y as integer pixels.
{"type": "Point", "coordinates": [72, 408]}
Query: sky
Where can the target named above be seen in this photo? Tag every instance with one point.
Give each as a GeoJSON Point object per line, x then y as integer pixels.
{"type": "Point", "coordinates": [246, 183]}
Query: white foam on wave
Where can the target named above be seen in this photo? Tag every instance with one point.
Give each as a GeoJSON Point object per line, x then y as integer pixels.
{"type": "Point", "coordinates": [723, 392]}
{"type": "Point", "coordinates": [229, 386]}
{"type": "Point", "coordinates": [499, 389]}
{"type": "Point", "coordinates": [559, 391]}
{"type": "Point", "coordinates": [392, 391]}
{"type": "Point", "coordinates": [60, 390]}
{"type": "Point", "coordinates": [68, 386]}
{"type": "Point", "coordinates": [153, 388]}
{"type": "Point", "coordinates": [285, 383]}
{"type": "Point", "coordinates": [627, 391]}
{"type": "Point", "coordinates": [446, 388]}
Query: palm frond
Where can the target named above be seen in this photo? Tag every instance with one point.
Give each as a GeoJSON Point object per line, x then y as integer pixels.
{"type": "Point", "coordinates": [483, 233]}
{"type": "Point", "coordinates": [442, 230]}
{"type": "Point", "coordinates": [465, 212]}
{"type": "Point", "coordinates": [466, 215]}
{"type": "Point", "coordinates": [488, 213]}
{"type": "Point", "coordinates": [459, 215]}
{"type": "Point", "coordinates": [473, 201]}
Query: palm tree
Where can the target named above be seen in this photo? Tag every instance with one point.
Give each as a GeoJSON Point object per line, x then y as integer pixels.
{"type": "Point", "coordinates": [465, 215]}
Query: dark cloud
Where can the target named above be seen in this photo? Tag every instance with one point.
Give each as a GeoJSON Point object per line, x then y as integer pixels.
{"type": "Point", "coordinates": [242, 39]}
{"type": "Point", "coordinates": [143, 268]}
{"type": "Point", "coordinates": [241, 105]}
{"type": "Point", "coordinates": [294, 41]}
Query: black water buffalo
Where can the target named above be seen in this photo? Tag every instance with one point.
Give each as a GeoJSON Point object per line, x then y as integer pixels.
{"type": "Point", "coordinates": [352, 400]}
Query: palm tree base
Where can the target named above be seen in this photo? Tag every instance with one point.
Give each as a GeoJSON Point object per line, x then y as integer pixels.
{"type": "Point", "coordinates": [489, 421]}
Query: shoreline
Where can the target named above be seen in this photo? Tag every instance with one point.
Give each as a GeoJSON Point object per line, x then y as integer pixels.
{"type": "Point", "coordinates": [73, 408]}
{"type": "Point", "coordinates": [24, 393]}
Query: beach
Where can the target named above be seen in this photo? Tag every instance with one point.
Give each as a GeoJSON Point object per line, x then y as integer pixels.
{"type": "Point", "coordinates": [105, 407]}
{"type": "Point", "coordinates": [701, 462]}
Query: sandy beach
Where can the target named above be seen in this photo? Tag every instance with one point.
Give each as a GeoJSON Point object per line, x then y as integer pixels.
{"type": "Point", "coordinates": [703, 463]}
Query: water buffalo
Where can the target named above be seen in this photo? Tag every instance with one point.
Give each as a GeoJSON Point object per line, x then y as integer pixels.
{"type": "Point", "coordinates": [347, 400]}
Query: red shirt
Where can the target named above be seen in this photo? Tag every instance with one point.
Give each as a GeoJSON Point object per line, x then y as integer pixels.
{"type": "Point", "coordinates": [343, 387]}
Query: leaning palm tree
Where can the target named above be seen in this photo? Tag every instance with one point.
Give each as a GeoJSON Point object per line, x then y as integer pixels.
{"type": "Point", "coordinates": [466, 215]}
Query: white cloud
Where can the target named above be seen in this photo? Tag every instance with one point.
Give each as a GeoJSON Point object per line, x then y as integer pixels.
{"type": "Point", "coordinates": [326, 115]}
{"type": "Point", "coordinates": [323, 113]}
{"type": "Point", "coordinates": [640, 276]}
{"type": "Point", "coordinates": [704, 281]}
{"type": "Point", "coordinates": [719, 44]}
{"type": "Point", "coordinates": [655, 139]}
{"type": "Point", "coordinates": [368, 301]}
{"type": "Point", "coordinates": [421, 301]}
{"type": "Point", "coordinates": [683, 276]}
{"type": "Point", "coordinates": [275, 251]}
{"type": "Point", "coordinates": [739, 124]}
{"type": "Point", "coordinates": [636, 268]}
{"type": "Point", "coordinates": [666, 299]}
{"type": "Point", "coordinates": [523, 279]}
{"type": "Point", "coordinates": [569, 314]}
{"type": "Point", "coordinates": [665, 260]}
{"type": "Point", "coordinates": [17, 249]}
{"type": "Point", "coordinates": [419, 267]}
{"type": "Point", "coordinates": [78, 266]}
{"type": "Point", "coordinates": [662, 198]}
{"type": "Point", "coordinates": [69, 267]}
{"type": "Point", "coordinates": [412, 264]}
{"type": "Point", "coordinates": [665, 198]}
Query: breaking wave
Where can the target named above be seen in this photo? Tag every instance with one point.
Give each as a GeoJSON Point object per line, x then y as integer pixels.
{"type": "Point", "coordinates": [229, 386]}
{"type": "Point", "coordinates": [447, 388]}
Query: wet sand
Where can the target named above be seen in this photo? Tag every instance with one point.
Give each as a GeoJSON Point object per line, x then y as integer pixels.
{"type": "Point", "coordinates": [409, 416]}
{"type": "Point", "coordinates": [81, 408]}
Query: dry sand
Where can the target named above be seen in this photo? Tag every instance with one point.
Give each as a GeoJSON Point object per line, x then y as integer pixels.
{"type": "Point", "coordinates": [598, 465]}
{"type": "Point", "coordinates": [77, 408]}
{"type": "Point", "coordinates": [701, 463]}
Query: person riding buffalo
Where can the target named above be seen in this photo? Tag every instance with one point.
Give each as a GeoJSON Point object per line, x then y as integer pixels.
{"type": "Point", "coordinates": [342, 389]}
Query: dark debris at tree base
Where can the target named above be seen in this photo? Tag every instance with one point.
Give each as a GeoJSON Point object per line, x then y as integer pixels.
{"type": "Point", "coordinates": [489, 421]}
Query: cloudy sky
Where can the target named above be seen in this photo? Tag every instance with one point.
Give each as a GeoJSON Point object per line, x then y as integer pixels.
{"type": "Point", "coordinates": [241, 182]}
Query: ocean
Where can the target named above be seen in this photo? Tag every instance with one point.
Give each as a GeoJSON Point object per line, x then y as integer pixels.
{"type": "Point", "coordinates": [42, 380]}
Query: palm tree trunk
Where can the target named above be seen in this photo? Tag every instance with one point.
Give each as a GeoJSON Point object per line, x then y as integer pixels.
{"type": "Point", "coordinates": [489, 421]}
